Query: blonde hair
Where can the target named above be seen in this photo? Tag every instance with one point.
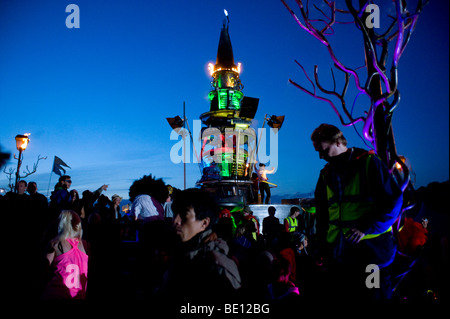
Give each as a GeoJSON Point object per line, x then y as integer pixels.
{"type": "Point", "coordinates": [69, 225]}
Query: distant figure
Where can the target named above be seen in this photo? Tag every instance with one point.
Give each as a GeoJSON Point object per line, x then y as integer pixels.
{"type": "Point", "coordinates": [68, 260]}
{"type": "Point", "coordinates": [88, 200]}
{"type": "Point", "coordinates": [168, 213]}
{"type": "Point", "coordinates": [252, 223]}
{"type": "Point", "coordinates": [146, 209]}
{"type": "Point", "coordinates": [19, 202]}
{"type": "Point", "coordinates": [21, 187]}
{"type": "Point", "coordinates": [39, 214]}
{"type": "Point", "coordinates": [255, 187]}
{"type": "Point", "coordinates": [75, 201]}
{"type": "Point", "coordinates": [60, 197]}
{"type": "Point", "coordinates": [114, 208]}
{"type": "Point", "coordinates": [291, 222]}
{"type": "Point", "coordinates": [271, 226]}
{"type": "Point", "coordinates": [225, 227]}
{"type": "Point", "coordinates": [17, 205]}
{"type": "Point", "coordinates": [113, 219]}
{"type": "Point", "coordinates": [263, 185]}
{"type": "Point", "coordinates": [282, 288]}
{"type": "Point", "coordinates": [102, 207]}
{"type": "Point", "coordinates": [148, 196]}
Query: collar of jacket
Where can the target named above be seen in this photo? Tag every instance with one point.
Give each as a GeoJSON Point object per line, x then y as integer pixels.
{"type": "Point", "coordinates": [204, 242]}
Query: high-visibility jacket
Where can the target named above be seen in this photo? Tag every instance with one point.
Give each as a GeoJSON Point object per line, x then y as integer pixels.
{"type": "Point", "coordinates": [253, 220]}
{"type": "Point", "coordinates": [352, 203]}
{"type": "Point", "coordinates": [293, 223]}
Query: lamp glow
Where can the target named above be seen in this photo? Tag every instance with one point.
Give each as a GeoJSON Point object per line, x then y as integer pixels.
{"type": "Point", "coordinates": [22, 142]}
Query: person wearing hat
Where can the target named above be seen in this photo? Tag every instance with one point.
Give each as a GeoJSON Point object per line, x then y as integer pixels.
{"type": "Point", "coordinates": [114, 213]}
{"type": "Point", "coordinates": [168, 213]}
{"type": "Point", "coordinates": [252, 222]}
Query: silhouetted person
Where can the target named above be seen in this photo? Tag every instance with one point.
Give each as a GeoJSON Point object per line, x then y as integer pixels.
{"type": "Point", "coordinates": [60, 197]}
{"type": "Point", "coordinates": [75, 201]}
{"type": "Point", "coordinates": [271, 226]}
{"type": "Point", "coordinates": [39, 204]}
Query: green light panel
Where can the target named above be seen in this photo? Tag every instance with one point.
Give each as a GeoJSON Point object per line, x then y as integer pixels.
{"type": "Point", "coordinates": [229, 99]}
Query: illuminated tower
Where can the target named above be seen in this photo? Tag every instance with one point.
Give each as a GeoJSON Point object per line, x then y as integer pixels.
{"type": "Point", "coordinates": [228, 142]}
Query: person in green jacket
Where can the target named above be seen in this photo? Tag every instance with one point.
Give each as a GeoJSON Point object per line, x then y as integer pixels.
{"type": "Point", "coordinates": [357, 201]}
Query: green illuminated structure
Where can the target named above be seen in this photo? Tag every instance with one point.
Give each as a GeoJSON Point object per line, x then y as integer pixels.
{"type": "Point", "coordinates": [228, 142]}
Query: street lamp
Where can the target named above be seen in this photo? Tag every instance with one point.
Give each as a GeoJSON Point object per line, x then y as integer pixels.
{"type": "Point", "coordinates": [22, 142]}
{"type": "Point", "coordinates": [21, 145]}
{"type": "Point", "coordinates": [176, 123]}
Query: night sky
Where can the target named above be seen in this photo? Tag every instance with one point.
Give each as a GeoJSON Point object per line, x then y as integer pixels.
{"type": "Point", "coordinates": [98, 96]}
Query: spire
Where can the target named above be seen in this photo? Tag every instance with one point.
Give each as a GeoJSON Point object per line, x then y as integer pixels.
{"type": "Point", "coordinates": [225, 57]}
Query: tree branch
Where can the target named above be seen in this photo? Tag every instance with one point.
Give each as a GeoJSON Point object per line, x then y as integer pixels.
{"type": "Point", "coordinates": [35, 166]}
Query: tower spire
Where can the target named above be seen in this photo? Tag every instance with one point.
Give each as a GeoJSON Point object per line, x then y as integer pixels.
{"type": "Point", "coordinates": [227, 140]}
{"type": "Point", "coordinates": [225, 58]}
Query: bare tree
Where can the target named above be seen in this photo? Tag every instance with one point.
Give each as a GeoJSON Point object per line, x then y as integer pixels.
{"type": "Point", "coordinates": [380, 85]}
{"type": "Point", "coordinates": [10, 174]}
{"type": "Point", "coordinates": [27, 172]}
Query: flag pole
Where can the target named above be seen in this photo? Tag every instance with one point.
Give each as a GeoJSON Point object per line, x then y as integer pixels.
{"type": "Point", "coordinates": [184, 143]}
{"type": "Point", "coordinates": [48, 188]}
{"type": "Point", "coordinates": [193, 145]}
{"type": "Point", "coordinates": [254, 154]}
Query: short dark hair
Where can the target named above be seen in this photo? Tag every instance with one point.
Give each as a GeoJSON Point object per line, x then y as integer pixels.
{"type": "Point", "coordinates": [200, 201]}
{"type": "Point", "coordinates": [22, 181]}
{"type": "Point", "coordinates": [32, 187]}
{"type": "Point", "coordinates": [271, 210]}
{"type": "Point", "coordinates": [63, 178]}
{"type": "Point", "coordinates": [328, 133]}
{"type": "Point", "coordinates": [293, 210]}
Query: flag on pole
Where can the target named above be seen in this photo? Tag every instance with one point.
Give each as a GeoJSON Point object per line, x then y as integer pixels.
{"type": "Point", "coordinates": [175, 122]}
{"type": "Point", "coordinates": [58, 166]}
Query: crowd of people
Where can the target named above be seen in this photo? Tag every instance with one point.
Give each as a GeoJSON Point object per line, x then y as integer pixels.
{"type": "Point", "coordinates": [51, 229]}
{"type": "Point", "coordinates": [182, 246]}
{"type": "Point", "coordinates": [186, 245]}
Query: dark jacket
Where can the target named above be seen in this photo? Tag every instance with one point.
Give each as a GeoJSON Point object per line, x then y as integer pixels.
{"type": "Point", "coordinates": [376, 185]}
{"type": "Point", "coordinates": [59, 201]}
{"type": "Point", "coordinates": [201, 270]}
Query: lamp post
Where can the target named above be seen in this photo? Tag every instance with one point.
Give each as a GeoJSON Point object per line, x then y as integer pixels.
{"type": "Point", "coordinates": [21, 145]}
{"type": "Point", "coordinates": [176, 123]}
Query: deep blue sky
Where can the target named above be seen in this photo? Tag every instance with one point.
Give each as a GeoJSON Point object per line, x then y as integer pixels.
{"type": "Point", "coordinates": [98, 96]}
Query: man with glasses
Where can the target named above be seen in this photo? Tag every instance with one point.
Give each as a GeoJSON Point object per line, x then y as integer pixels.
{"type": "Point", "coordinates": [357, 201]}
{"type": "Point", "coordinates": [60, 198]}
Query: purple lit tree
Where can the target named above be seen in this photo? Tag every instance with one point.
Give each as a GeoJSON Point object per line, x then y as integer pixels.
{"type": "Point", "coordinates": [382, 49]}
